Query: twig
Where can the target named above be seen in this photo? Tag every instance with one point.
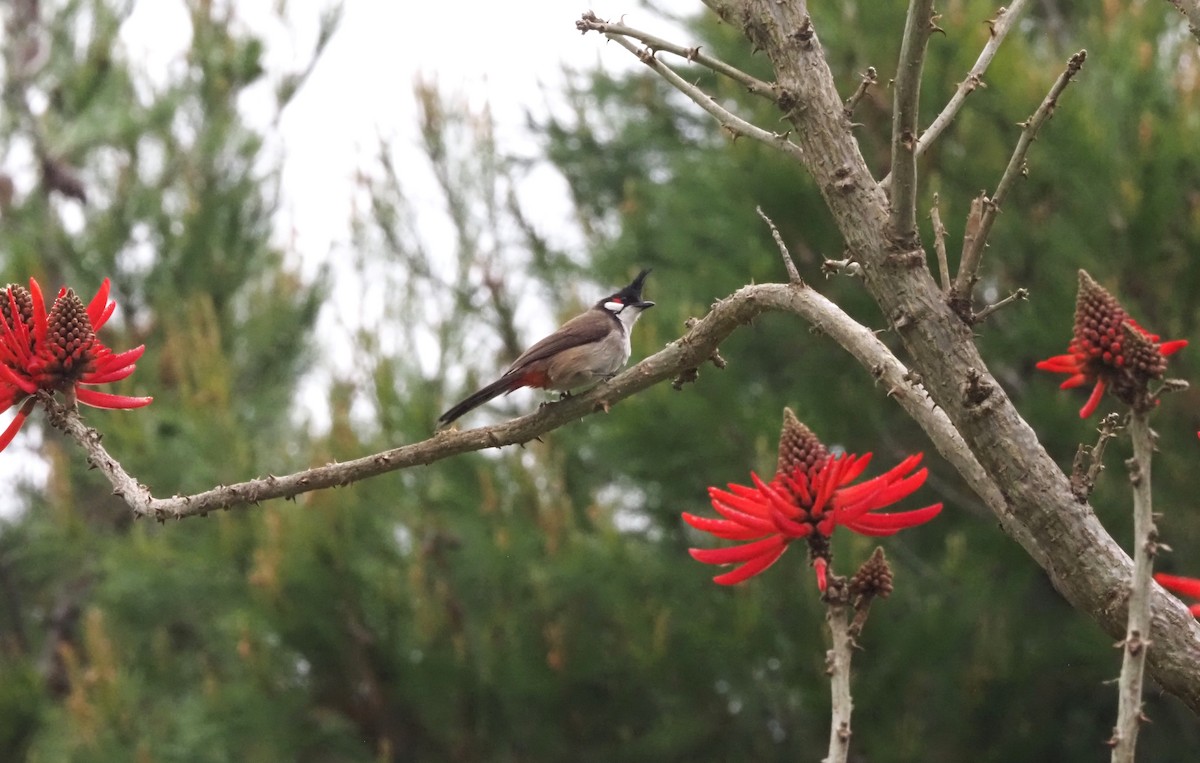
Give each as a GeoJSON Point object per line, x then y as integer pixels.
{"type": "Point", "coordinates": [1137, 634]}
{"type": "Point", "coordinates": [1191, 10]}
{"type": "Point", "coordinates": [1089, 460]}
{"type": "Point", "coordinates": [689, 351]}
{"type": "Point", "coordinates": [730, 121]}
{"type": "Point", "coordinates": [1020, 295]}
{"type": "Point", "coordinates": [837, 667]}
{"type": "Point", "coordinates": [902, 215]}
{"type": "Point", "coordinates": [939, 245]}
{"type": "Point", "coordinates": [590, 22]}
{"type": "Point", "coordinates": [869, 77]}
{"type": "Point", "coordinates": [788, 262]}
{"type": "Point", "coordinates": [973, 249]}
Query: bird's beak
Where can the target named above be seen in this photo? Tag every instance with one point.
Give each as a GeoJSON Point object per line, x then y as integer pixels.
{"type": "Point", "coordinates": [642, 305]}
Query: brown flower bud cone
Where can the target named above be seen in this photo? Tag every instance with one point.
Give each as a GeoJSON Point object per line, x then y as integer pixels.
{"type": "Point", "coordinates": [1142, 355]}
{"type": "Point", "coordinates": [874, 577]}
{"type": "Point", "coordinates": [69, 337]}
{"type": "Point", "coordinates": [1098, 318]}
{"type": "Point", "coordinates": [798, 446]}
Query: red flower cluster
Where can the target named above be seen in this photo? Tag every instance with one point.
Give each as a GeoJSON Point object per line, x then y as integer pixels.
{"type": "Point", "coordinates": [58, 351]}
{"type": "Point", "coordinates": [1109, 350]}
{"type": "Point", "coordinates": [1183, 586]}
{"type": "Point", "coordinates": [809, 497]}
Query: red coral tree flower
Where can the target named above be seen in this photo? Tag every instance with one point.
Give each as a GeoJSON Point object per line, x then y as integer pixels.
{"type": "Point", "coordinates": [809, 497]}
{"type": "Point", "coordinates": [1110, 351]}
{"type": "Point", "coordinates": [58, 352]}
{"type": "Point", "coordinates": [1189, 587]}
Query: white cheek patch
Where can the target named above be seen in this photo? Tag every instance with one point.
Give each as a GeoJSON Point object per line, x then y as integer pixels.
{"type": "Point", "coordinates": [614, 307]}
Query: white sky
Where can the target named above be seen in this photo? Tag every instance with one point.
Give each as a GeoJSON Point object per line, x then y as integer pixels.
{"type": "Point", "coordinates": [506, 55]}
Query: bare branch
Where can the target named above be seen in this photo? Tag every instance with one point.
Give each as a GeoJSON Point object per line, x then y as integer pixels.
{"type": "Point", "coordinates": [1137, 633]}
{"type": "Point", "coordinates": [939, 245]}
{"type": "Point", "coordinates": [964, 281]}
{"type": "Point", "coordinates": [1089, 460]}
{"type": "Point", "coordinates": [999, 27]}
{"type": "Point", "coordinates": [788, 262]}
{"type": "Point", "coordinates": [730, 121]}
{"type": "Point", "coordinates": [902, 216]}
{"type": "Point", "coordinates": [973, 250]}
{"type": "Point", "coordinates": [837, 667]}
{"type": "Point", "coordinates": [1004, 21]}
{"type": "Point", "coordinates": [695, 347]}
{"type": "Point", "coordinates": [869, 77]}
{"type": "Point", "coordinates": [590, 22]}
{"type": "Point", "coordinates": [1020, 295]}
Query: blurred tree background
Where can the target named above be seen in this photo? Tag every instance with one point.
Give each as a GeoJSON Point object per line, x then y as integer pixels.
{"type": "Point", "coordinates": [538, 603]}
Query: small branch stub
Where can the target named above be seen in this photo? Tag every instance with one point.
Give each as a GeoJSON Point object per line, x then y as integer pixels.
{"type": "Point", "coordinates": [1089, 460]}
{"type": "Point", "coordinates": [869, 78]}
{"type": "Point", "coordinates": [1020, 295]}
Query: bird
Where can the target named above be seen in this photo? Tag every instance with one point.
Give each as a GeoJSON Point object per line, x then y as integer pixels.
{"type": "Point", "coordinates": [591, 347]}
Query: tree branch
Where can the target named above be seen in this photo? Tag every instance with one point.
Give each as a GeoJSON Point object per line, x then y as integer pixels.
{"type": "Point", "coordinates": [1137, 635]}
{"type": "Point", "coordinates": [939, 245]}
{"type": "Point", "coordinates": [837, 667]}
{"type": "Point", "coordinates": [972, 254]}
{"type": "Point", "coordinates": [730, 121]}
{"type": "Point", "coordinates": [590, 22]}
{"type": "Point", "coordinates": [869, 77]}
{"type": "Point", "coordinates": [1089, 459]}
{"type": "Point", "coordinates": [902, 219]}
{"type": "Point", "coordinates": [788, 263]}
{"type": "Point", "coordinates": [1037, 506]}
{"type": "Point", "coordinates": [694, 348]}
{"type": "Point", "coordinates": [999, 27]}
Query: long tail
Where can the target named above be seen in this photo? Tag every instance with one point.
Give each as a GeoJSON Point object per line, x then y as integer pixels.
{"type": "Point", "coordinates": [476, 399]}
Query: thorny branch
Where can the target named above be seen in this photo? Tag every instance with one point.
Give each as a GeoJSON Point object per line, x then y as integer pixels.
{"type": "Point", "coordinates": [869, 77]}
{"type": "Point", "coordinates": [999, 27]}
{"type": "Point", "coordinates": [695, 347]}
{"type": "Point", "coordinates": [1137, 639]}
{"type": "Point", "coordinates": [1020, 295]}
{"type": "Point", "coordinates": [837, 667]}
{"type": "Point", "coordinates": [902, 219]}
{"type": "Point", "coordinates": [1089, 460]}
{"type": "Point", "coordinates": [590, 22]}
{"type": "Point", "coordinates": [973, 249]}
{"type": "Point", "coordinates": [730, 121]}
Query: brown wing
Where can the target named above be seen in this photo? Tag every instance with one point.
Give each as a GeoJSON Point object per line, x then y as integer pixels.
{"type": "Point", "coordinates": [592, 326]}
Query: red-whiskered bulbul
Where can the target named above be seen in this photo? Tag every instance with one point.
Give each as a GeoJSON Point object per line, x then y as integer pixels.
{"type": "Point", "coordinates": [588, 348]}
